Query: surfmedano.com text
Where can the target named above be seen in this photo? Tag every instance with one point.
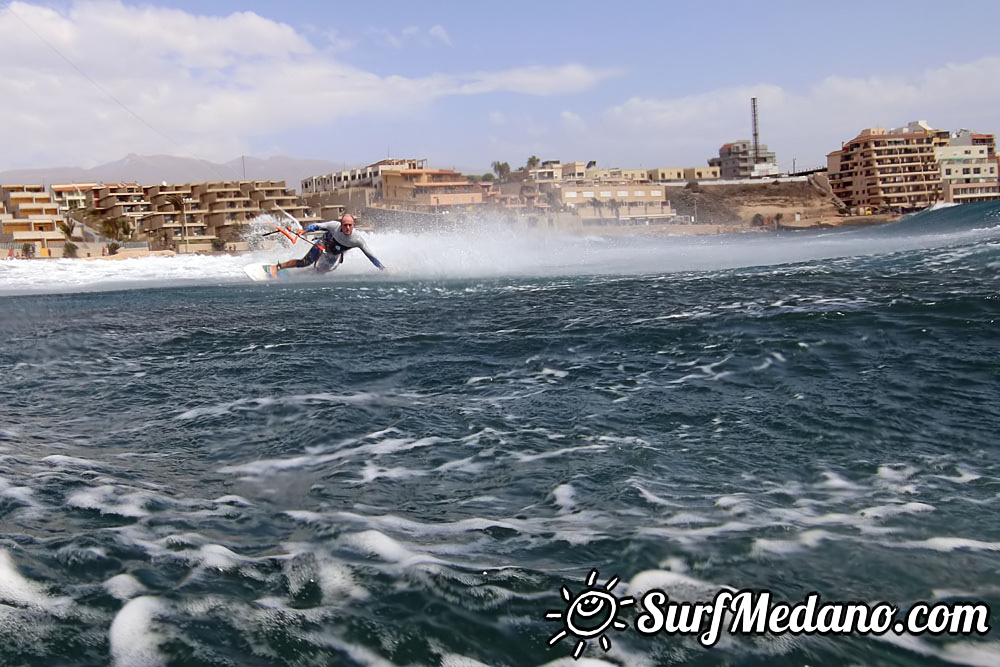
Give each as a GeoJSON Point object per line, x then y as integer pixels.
{"type": "Point", "coordinates": [754, 612]}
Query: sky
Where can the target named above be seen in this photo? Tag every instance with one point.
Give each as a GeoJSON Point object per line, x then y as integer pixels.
{"type": "Point", "coordinates": [662, 83]}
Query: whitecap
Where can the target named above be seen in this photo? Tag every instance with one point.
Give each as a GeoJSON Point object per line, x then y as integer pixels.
{"type": "Point", "coordinates": [132, 637]}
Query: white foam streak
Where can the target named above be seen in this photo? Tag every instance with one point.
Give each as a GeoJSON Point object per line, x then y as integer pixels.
{"type": "Point", "coordinates": [483, 252]}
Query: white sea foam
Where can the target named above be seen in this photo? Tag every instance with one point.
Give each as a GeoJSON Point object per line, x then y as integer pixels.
{"type": "Point", "coordinates": [948, 544]}
{"type": "Point", "coordinates": [887, 511]}
{"type": "Point", "coordinates": [124, 586]}
{"type": "Point", "coordinates": [963, 476]}
{"type": "Point", "coordinates": [651, 497]}
{"type": "Point", "coordinates": [531, 458]}
{"type": "Point", "coordinates": [377, 544]}
{"type": "Point", "coordinates": [809, 539]}
{"type": "Point", "coordinates": [564, 496]}
{"type": "Point", "coordinates": [20, 494]}
{"type": "Point", "coordinates": [110, 500]}
{"type": "Point", "coordinates": [70, 461]}
{"type": "Point", "coordinates": [19, 591]}
{"type": "Point", "coordinates": [680, 586]}
{"type": "Point", "coordinates": [361, 452]}
{"type": "Point", "coordinates": [133, 637]}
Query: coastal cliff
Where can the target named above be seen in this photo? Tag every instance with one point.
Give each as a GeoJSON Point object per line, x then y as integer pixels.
{"type": "Point", "coordinates": [768, 205]}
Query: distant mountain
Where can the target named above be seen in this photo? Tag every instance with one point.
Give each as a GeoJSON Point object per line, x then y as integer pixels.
{"type": "Point", "coordinates": [152, 169]}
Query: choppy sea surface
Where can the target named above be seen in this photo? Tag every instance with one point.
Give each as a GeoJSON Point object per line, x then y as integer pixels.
{"type": "Point", "coordinates": [409, 469]}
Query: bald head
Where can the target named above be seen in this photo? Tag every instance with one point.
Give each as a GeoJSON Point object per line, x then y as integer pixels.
{"type": "Point", "coordinates": [347, 223]}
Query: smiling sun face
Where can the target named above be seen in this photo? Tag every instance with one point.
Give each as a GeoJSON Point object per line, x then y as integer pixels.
{"type": "Point", "coordinates": [589, 614]}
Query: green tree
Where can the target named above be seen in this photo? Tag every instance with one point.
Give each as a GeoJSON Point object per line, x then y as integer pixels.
{"type": "Point", "coordinates": [615, 205]}
{"type": "Point", "coordinates": [502, 170]}
{"type": "Point", "coordinates": [533, 162]}
{"type": "Point", "coordinates": [488, 177]}
{"type": "Point", "coordinates": [178, 203]}
{"type": "Point", "coordinates": [117, 229]}
{"type": "Point", "coordinates": [66, 227]}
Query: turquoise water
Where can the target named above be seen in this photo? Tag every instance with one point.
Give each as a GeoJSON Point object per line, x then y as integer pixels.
{"type": "Point", "coordinates": [407, 469]}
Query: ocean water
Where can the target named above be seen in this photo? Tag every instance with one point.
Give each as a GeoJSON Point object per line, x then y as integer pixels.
{"type": "Point", "coordinates": [427, 467]}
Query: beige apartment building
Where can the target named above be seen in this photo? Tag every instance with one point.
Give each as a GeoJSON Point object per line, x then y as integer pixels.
{"type": "Point", "coordinates": [623, 200]}
{"type": "Point", "coordinates": [29, 217]}
{"type": "Point", "coordinates": [120, 200]}
{"type": "Point", "coordinates": [366, 177]}
{"type": "Point", "coordinates": [901, 169]}
{"type": "Point", "coordinates": [212, 214]}
{"type": "Point", "coordinates": [665, 174]}
{"type": "Point", "coordinates": [429, 190]}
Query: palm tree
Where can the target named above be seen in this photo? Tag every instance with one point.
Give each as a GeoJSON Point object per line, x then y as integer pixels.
{"type": "Point", "coordinates": [178, 203]}
{"type": "Point", "coordinates": [66, 227]}
{"type": "Point", "coordinates": [533, 162]}
{"type": "Point", "coordinates": [615, 205]}
{"type": "Point", "coordinates": [502, 170]}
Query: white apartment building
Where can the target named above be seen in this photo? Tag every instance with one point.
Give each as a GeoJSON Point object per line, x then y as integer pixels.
{"type": "Point", "coordinates": [968, 168]}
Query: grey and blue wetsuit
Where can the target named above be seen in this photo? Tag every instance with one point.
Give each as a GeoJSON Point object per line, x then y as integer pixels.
{"type": "Point", "coordinates": [334, 244]}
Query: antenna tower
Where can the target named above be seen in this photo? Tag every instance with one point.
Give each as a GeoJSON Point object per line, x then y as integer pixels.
{"type": "Point", "coordinates": [756, 136]}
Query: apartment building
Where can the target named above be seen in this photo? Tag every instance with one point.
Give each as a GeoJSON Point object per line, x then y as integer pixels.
{"type": "Point", "coordinates": [197, 217]}
{"type": "Point", "coordinates": [739, 159]}
{"type": "Point", "coordinates": [119, 200]}
{"type": "Point", "coordinates": [624, 200]}
{"type": "Point", "coordinates": [369, 176]}
{"type": "Point", "coordinates": [969, 168]}
{"type": "Point", "coordinates": [29, 217]}
{"type": "Point", "coordinates": [428, 190]}
{"type": "Point", "coordinates": [664, 174]}
{"type": "Point", "coordinates": [895, 169]}
{"type": "Point", "coordinates": [71, 196]}
{"type": "Point", "coordinates": [618, 174]}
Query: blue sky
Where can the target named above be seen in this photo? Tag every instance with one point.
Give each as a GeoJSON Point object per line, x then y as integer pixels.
{"type": "Point", "coordinates": [642, 84]}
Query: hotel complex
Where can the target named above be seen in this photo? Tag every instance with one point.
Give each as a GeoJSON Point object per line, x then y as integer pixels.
{"type": "Point", "coordinates": [896, 170]}
{"type": "Point", "coordinates": [913, 167]}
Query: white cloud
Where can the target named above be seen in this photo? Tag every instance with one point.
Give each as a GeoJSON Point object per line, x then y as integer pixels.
{"type": "Point", "coordinates": [409, 35]}
{"type": "Point", "coordinates": [438, 32]}
{"type": "Point", "coordinates": [541, 81]}
{"type": "Point", "coordinates": [813, 122]}
{"type": "Point", "coordinates": [119, 79]}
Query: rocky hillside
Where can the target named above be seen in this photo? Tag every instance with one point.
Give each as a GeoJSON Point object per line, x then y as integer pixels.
{"type": "Point", "coordinates": [811, 201]}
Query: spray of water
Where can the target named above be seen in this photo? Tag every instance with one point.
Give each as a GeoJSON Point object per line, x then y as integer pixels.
{"type": "Point", "coordinates": [486, 250]}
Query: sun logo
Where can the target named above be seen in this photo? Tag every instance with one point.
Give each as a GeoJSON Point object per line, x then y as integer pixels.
{"type": "Point", "coordinates": [589, 614]}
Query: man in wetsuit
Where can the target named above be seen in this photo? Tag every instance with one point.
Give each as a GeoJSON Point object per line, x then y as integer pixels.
{"type": "Point", "coordinates": [338, 238]}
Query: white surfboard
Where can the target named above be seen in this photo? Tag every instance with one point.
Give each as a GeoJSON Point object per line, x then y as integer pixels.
{"type": "Point", "coordinates": [261, 272]}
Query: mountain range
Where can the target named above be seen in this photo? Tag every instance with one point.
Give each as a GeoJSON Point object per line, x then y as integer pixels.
{"type": "Point", "coordinates": [152, 169]}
